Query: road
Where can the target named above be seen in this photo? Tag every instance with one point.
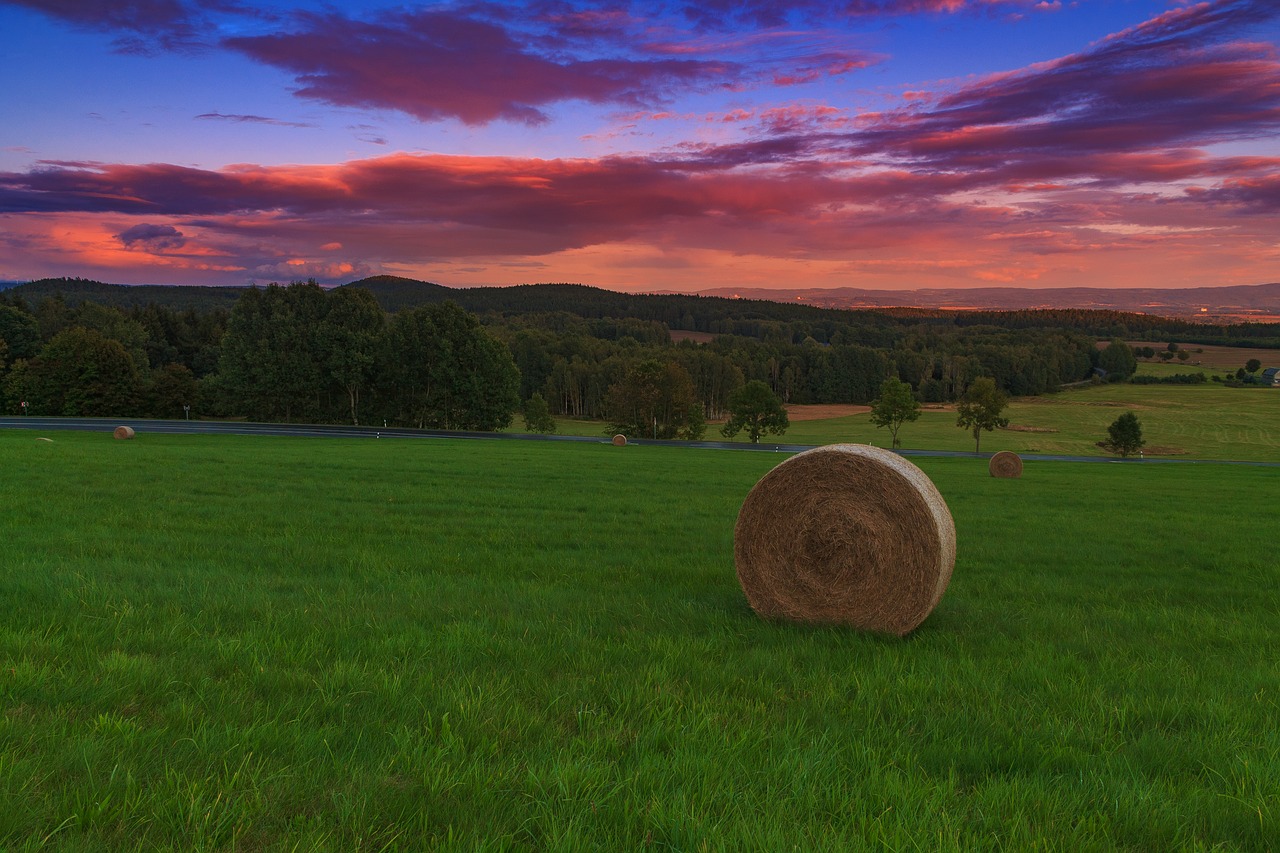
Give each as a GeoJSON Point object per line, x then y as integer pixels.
{"type": "Point", "coordinates": [142, 426]}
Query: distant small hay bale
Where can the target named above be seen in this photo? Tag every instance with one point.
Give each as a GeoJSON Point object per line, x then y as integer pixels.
{"type": "Point", "coordinates": [846, 534]}
{"type": "Point", "coordinates": [1006, 464]}
{"type": "Point", "coordinates": [124, 432]}
{"type": "Point", "coordinates": [619, 440]}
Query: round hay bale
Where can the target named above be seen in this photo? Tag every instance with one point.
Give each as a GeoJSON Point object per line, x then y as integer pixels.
{"type": "Point", "coordinates": [1006, 464]}
{"type": "Point", "coordinates": [846, 534]}
{"type": "Point", "coordinates": [124, 432]}
{"type": "Point", "coordinates": [619, 440]}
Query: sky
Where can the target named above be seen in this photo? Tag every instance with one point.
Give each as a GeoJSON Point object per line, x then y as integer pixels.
{"type": "Point", "coordinates": [643, 146]}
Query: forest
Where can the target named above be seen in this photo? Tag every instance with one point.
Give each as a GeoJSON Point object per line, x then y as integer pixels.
{"type": "Point", "coordinates": [408, 353]}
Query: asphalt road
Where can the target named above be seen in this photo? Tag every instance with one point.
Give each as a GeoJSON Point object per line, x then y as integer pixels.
{"type": "Point", "coordinates": [331, 431]}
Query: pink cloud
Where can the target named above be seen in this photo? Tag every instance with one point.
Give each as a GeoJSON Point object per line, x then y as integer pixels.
{"type": "Point", "coordinates": [1052, 171]}
{"type": "Point", "coordinates": [405, 208]}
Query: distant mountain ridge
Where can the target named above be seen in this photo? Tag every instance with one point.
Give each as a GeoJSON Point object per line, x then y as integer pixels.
{"type": "Point", "coordinates": [179, 297]}
{"type": "Point", "coordinates": [1227, 304]}
{"type": "Point", "coordinates": [1236, 302]}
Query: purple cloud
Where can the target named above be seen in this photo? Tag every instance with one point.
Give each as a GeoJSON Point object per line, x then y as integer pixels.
{"type": "Point", "coordinates": [715, 14]}
{"type": "Point", "coordinates": [145, 25]}
{"type": "Point", "coordinates": [1166, 83]}
{"type": "Point", "coordinates": [435, 65]}
{"type": "Point", "coordinates": [153, 238]}
{"type": "Point", "coordinates": [251, 119]}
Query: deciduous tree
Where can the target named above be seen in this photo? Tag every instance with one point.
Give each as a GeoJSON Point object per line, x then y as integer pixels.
{"type": "Point", "coordinates": [653, 398]}
{"type": "Point", "coordinates": [348, 340]}
{"type": "Point", "coordinates": [81, 373]}
{"type": "Point", "coordinates": [438, 368]}
{"type": "Point", "coordinates": [537, 415]}
{"type": "Point", "coordinates": [1118, 360]}
{"type": "Point", "coordinates": [1125, 435]}
{"type": "Point", "coordinates": [895, 406]}
{"type": "Point", "coordinates": [757, 410]}
{"type": "Point", "coordinates": [20, 332]}
{"type": "Point", "coordinates": [980, 409]}
{"type": "Point", "coordinates": [269, 362]}
{"type": "Point", "coordinates": [168, 390]}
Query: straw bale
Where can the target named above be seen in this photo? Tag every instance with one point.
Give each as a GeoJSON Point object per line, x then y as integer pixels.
{"type": "Point", "coordinates": [1006, 464]}
{"type": "Point", "coordinates": [124, 432]}
{"type": "Point", "coordinates": [619, 440]}
{"type": "Point", "coordinates": [846, 534]}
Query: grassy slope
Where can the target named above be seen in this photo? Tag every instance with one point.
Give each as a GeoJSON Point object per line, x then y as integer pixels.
{"type": "Point", "coordinates": [1196, 421]}
{"type": "Point", "coordinates": [262, 643]}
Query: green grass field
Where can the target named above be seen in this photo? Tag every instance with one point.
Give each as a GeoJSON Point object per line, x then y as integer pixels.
{"type": "Point", "coordinates": [1183, 421]}
{"type": "Point", "coordinates": [1199, 422]}
{"type": "Point", "coordinates": [228, 643]}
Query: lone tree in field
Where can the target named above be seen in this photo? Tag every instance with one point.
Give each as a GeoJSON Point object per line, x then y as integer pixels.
{"type": "Point", "coordinates": [1253, 365]}
{"type": "Point", "coordinates": [895, 406]}
{"type": "Point", "coordinates": [1125, 435]}
{"type": "Point", "coordinates": [756, 409]}
{"type": "Point", "coordinates": [980, 407]}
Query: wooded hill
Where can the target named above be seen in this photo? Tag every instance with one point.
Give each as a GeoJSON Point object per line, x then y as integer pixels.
{"type": "Point", "coordinates": [677, 312]}
{"type": "Point", "coordinates": [177, 297]}
{"type": "Point", "coordinates": [412, 352]}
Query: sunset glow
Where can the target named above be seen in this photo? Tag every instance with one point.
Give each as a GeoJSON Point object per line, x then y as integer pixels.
{"type": "Point", "coordinates": [644, 146]}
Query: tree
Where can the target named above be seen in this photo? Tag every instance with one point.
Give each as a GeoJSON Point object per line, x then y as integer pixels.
{"type": "Point", "coordinates": [13, 390]}
{"type": "Point", "coordinates": [695, 426]}
{"type": "Point", "coordinates": [1253, 365]}
{"type": "Point", "coordinates": [80, 373]}
{"type": "Point", "coordinates": [1118, 360]}
{"type": "Point", "coordinates": [653, 398]}
{"type": "Point", "coordinates": [895, 406]}
{"type": "Point", "coordinates": [113, 324]}
{"type": "Point", "coordinates": [439, 369]}
{"type": "Point", "coordinates": [756, 409]}
{"type": "Point", "coordinates": [537, 415]}
{"type": "Point", "coordinates": [269, 359]}
{"type": "Point", "coordinates": [20, 332]}
{"type": "Point", "coordinates": [1125, 435]}
{"type": "Point", "coordinates": [980, 407]}
{"type": "Point", "coordinates": [168, 390]}
{"type": "Point", "coordinates": [348, 338]}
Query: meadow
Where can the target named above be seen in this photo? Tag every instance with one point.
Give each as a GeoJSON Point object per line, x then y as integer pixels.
{"type": "Point", "coordinates": [248, 643]}
{"type": "Point", "coordinates": [1206, 421]}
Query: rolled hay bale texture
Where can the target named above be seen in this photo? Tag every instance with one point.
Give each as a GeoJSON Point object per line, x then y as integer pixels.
{"type": "Point", "coordinates": [124, 432]}
{"type": "Point", "coordinates": [619, 440]}
{"type": "Point", "coordinates": [846, 534]}
{"type": "Point", "coordinates": [1006, 464]}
